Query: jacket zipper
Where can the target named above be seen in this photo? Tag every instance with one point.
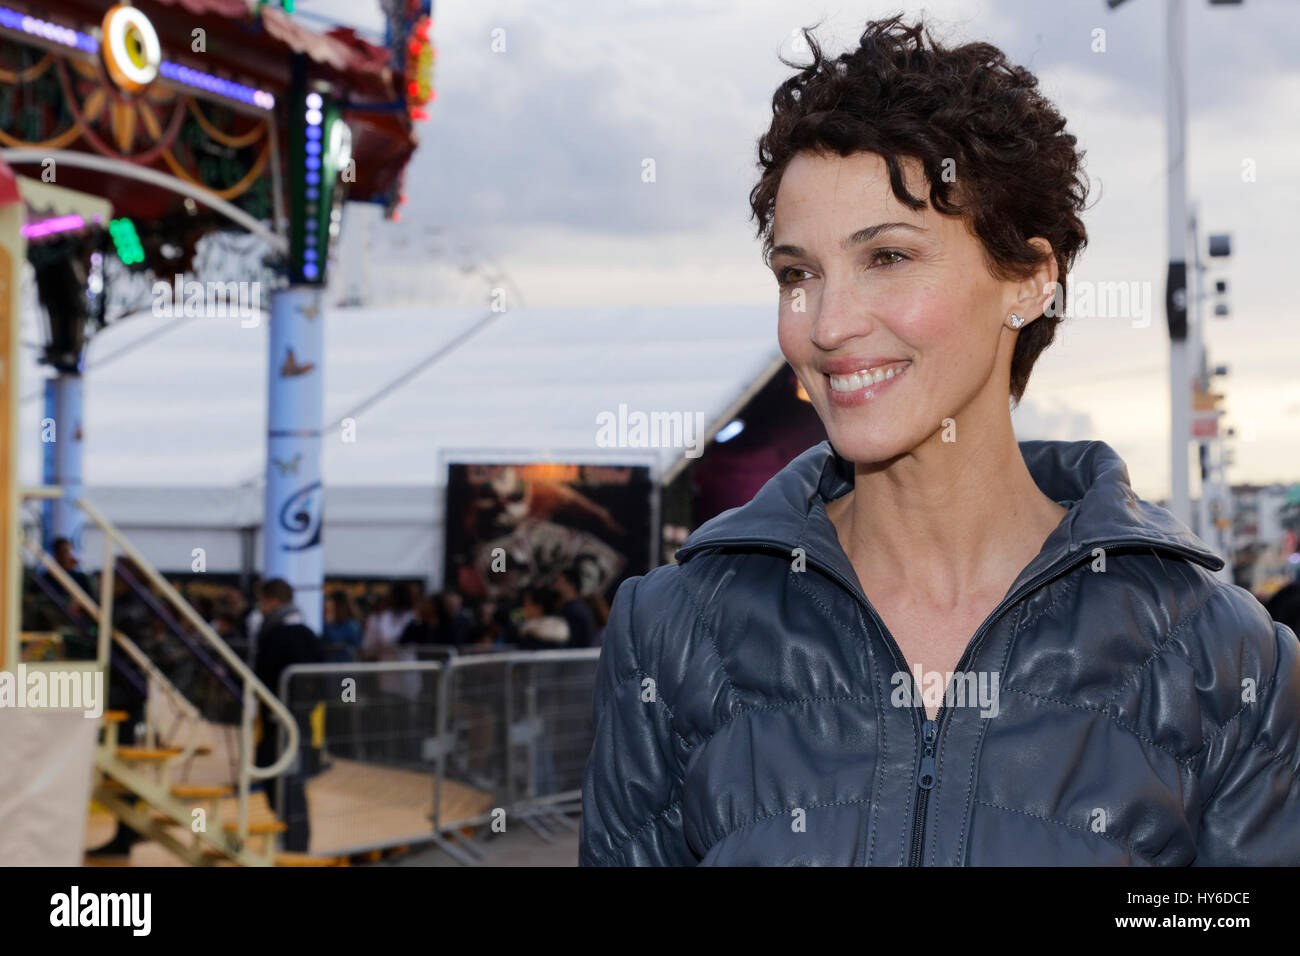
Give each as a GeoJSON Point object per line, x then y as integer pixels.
{"type": "Point", "coordinates": [924, 782]}
{"type": "Point", "coordinates": [931, 729]}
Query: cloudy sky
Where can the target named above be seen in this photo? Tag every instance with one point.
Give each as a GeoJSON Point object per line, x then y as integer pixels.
{"type": "Point", "coordinates": [534, 156]}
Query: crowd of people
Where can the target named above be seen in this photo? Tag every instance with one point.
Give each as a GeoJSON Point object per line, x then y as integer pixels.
{"type": "Point", "coordinates": [362, 622]}
{"type": "Point", "coordinates": [378, 621]}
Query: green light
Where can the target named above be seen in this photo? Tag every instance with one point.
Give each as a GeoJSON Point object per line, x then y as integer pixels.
{"type": "Point", "coordinates": [126, 241]}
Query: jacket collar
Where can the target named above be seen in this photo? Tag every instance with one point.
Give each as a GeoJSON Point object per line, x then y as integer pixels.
{"type": "Point", "coordinates": [283, 615]}
{"type": "Point", "coordinates": [1087, 477]}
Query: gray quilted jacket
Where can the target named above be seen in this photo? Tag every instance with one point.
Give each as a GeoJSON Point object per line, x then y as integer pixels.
{"type": "Point", "coordinates": [1121, 706]}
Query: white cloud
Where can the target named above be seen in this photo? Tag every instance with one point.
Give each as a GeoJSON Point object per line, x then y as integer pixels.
{"type": "Point", "coordinates": [535, 156]}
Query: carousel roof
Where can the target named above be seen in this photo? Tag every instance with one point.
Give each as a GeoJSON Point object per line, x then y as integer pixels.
{"type": "Point", "coordinates": [254, 45]}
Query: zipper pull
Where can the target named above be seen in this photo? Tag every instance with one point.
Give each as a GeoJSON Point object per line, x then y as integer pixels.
{"type": "Point", "coordinates": [925, 779]}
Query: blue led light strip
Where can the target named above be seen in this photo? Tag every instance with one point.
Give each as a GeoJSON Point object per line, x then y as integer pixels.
{"type": "Point", "coordinates": [184, 75]}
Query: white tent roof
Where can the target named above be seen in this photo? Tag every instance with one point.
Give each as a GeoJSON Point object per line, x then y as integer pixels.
{"type": "Point", "coordinates": [175, 409]}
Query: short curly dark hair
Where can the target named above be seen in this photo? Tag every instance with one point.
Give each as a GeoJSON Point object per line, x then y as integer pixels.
{"type": "Point", "coordinates": [901, 94]}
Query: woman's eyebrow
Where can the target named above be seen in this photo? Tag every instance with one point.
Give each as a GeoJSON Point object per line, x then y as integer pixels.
{"type": "Point", "coordinates": [857, 239]}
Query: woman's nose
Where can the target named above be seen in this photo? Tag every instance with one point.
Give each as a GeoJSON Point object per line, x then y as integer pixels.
{"type": "Point", "coordinates": [839, 313]}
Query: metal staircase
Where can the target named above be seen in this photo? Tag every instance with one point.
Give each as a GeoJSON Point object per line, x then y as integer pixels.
{"type": "Point", "coordinates": [205, 825]}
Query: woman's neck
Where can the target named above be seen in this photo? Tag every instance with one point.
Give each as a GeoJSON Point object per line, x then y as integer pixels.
{"type": "Point", "coordinates": [947, 519]}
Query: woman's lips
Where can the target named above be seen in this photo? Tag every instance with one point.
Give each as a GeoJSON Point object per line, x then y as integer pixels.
{"type": "Point", "coordinates": [854, 389]}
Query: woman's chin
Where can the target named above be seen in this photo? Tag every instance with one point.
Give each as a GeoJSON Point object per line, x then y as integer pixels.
{"type": "Point", "coordinates": [866, 449]}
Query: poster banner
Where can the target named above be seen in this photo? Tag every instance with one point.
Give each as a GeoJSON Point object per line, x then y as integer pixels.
{"type": "Point", "coordinates": [511, 527]}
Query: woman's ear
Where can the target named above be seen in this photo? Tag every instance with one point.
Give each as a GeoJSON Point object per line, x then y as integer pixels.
{"type": "Point", "coordinates": [1036, 292]}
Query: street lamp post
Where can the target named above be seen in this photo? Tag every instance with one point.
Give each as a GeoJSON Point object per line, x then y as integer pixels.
{"type": "Point", "coordinates": [1180, 379]}
{"type": "Point", "coordinates": [1180, 366]}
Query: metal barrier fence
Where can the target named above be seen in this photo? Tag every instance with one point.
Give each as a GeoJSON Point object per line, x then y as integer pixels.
{"type": "Point", "coordinates": [402, 752]}
{"type": "Point", "coordinates": [434, 652]}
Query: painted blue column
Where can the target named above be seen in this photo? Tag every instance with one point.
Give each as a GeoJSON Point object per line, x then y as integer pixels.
{"type": "Point", "coordinates": [61, 452]}
{"type": "Point", "coordinates": [291, 524]}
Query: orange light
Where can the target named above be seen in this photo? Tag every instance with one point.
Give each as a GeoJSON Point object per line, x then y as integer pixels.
{"type": "Point", "coordinates": [800, 393]}
{"type": "Point", "coordinates": [548, 472]}
{"type": "Point", "coordinates": [131, 51]}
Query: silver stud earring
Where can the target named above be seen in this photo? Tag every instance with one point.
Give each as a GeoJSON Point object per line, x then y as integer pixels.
{"type": "Point", "coordinates": [1016, 321]}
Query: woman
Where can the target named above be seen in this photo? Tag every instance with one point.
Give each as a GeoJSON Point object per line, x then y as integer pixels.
{"type": "Point", "coordinates": [542, 628]}
{"type": "Point", "coordinates": [382, 641]}
{"type": "Point", "coordinates": [923, 643]}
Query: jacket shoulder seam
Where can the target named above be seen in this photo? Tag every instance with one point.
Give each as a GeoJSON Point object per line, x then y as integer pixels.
{"type": "Point", "coordinates": [1166, 643]}
{"type": "Point", "coordinates": [1275, 755]}
{"type": "Point", "coordinates": [1225, 588]}
{"type": "Point", "coordinates": [1070, 582]}
{"type": "Point", "coordinates": [708, 629]}
{"type": "Point", "coordinates": [642, 672]}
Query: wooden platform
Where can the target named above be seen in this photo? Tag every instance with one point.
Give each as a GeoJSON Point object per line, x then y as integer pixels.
{"type": "Point", "coordinates": [355, 804]}
{"type": "Point", "coordinates": [352, 804]}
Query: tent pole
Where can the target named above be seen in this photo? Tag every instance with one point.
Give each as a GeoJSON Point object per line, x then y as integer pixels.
{"type": "Point", "coordinates": [294, 502]}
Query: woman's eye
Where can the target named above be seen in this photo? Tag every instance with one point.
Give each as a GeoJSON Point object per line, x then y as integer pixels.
{"type": "Point", "coordinates": [882, 257]}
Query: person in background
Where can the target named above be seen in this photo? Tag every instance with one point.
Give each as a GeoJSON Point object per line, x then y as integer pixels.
{"type": "Point", "coordinates": [492, 625]}
{"type": "Point", "coordinates": [377, 602]}
{"type": "Point", "coordinates": [542, 629]}
{"type": "Point", "coordinates": [228, 628]}
{"type": "Point", "coordinates": [507, 630]}
{"type": "Point", "coordinates": [456, 621]}
{"type": "Point", "coordinates": [480, 639]}
{"type": "Point", "coordinates": [574, 610]}
{"type": "Point", "coordinates": [1284, 606]}
{"type": "Point", "coordinates": [390, 727]}
{"type": "Point", "coordinates": [423, 629]}
{"type": "Point", "coordinates": [284, 641]}
{"type": "Point", "coordinates": [342, 631]}
{"type": "Point", "coordinates": [385, 627]}
{"type": "Point", "coordinates": [234, 606]}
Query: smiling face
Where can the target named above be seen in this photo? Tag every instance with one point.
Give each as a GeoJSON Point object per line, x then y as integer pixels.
{"type": "Point", "coordinates": [867, 283]}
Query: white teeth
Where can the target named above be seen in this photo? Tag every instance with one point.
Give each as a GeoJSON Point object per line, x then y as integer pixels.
{"type": "Point", "coordinates": [856, 380]}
